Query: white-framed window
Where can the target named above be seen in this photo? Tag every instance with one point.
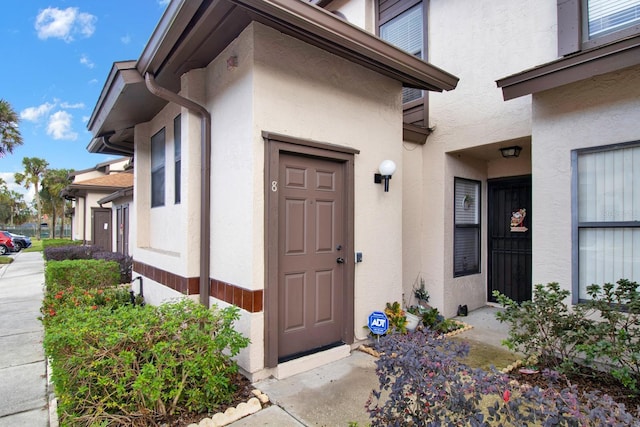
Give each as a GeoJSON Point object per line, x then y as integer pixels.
{"type": "Point", "coordinates": [177, 157]}
{"type": "Point", "coordinates": [157, 168]}
{"type": "Point", "coordinates": [466, 234]}
{"type": "Point", "coordinates": [607, 215]}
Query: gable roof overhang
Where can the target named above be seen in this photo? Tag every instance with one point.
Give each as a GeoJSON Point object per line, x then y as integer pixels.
{"type": "Point", "coordinates": [572, 68]}
{"type": "Point", "coordinates": [191, 33]}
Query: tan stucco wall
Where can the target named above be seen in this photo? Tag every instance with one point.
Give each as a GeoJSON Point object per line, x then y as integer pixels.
{"type": "Point", "coordinates": [284, 86]}
{"type": "Point", "coordinates": [486, 41]}
{"type": "Point", "coordinates": [600, 111]}
{"type": "Point", "coordinates": [304, 92]}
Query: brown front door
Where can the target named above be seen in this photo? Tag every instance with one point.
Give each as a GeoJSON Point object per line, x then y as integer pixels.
{"type": "Point", "coordinates": [311, 254]}
{"type": "Point", "coordinates": [101, 228]}
{"type": "Point", "coordinates": [510, 242]}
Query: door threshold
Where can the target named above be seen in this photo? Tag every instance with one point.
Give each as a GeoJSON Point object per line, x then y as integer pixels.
{"type": "Point", "coordinates": [319, 357]}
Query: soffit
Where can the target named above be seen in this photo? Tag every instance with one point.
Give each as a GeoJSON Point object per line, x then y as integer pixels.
{"type": "Point", "coordinates": [192, 33]}
{"type": "Point", "coordinates": [572, 68]}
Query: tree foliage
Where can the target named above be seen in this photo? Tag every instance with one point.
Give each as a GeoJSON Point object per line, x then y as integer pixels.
{"type": "Point", "coordinates": [53, 182]}
{"type": "Point", "coordinates": [10, 136]}
{"type": "Point", "coordinates": [34, 171]}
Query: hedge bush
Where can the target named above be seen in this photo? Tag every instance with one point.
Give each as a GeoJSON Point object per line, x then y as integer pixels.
{"type": "Point", "coordinates": [60, 253]}
{"type": "Point", "coordinates": [84, 274]}
{"type": "Point", "coordinates": [136, 365]}
{"type": "Point", "coordinates": [51, 243]}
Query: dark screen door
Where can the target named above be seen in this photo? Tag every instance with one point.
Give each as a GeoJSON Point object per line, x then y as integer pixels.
{"type": "Point", "coordinates": [509, 229]}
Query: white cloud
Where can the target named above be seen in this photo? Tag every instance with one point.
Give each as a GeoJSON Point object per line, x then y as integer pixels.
{"type": "Point", "coordinates": [85, 119]}
{"type": "Point", "coordinates": [63, 24]}
{"type": "Point", "coordinates": [125, 39]}
{"type": "Point", "coordinates": [84, 60]}
{"type": "Point", "coordinates": [163, 2]}
{"type": "Point", "coordinates": [72, 106]}
{"type": "Point", "coordinates": [59, 126]}
{"type": "Point", "coordinates": [34, 114]}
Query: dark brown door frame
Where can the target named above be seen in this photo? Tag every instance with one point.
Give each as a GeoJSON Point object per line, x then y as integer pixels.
{"type": "Point", "coordinates": [275, 144]}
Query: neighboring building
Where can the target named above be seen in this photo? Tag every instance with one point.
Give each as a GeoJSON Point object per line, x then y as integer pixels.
{"type": "Point", "coordinates": [91, 219]}
{"type": "Point", "coordinates": [262, 166]}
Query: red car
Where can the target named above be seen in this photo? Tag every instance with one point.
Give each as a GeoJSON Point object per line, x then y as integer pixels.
{"type": "Point", "coordinates": [6, 244]}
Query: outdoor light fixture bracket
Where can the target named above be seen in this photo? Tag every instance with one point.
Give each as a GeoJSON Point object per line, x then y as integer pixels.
{"type": "Point", "coordinates": [508, 152]}
{"type": "Point", "coordinates": [386, 169]}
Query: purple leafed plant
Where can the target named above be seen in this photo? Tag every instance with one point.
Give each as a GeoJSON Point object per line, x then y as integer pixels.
{"type": "Point", "coordinates": [422, 382]}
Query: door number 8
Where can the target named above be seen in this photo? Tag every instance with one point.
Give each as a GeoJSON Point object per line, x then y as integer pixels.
{"type": "Point", "coordinates": [274, 186]}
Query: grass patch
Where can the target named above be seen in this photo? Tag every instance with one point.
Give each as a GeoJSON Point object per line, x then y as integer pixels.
{"type": "Point", "coordinates": [6, 260]}
{"type": "Point", "coordinates": [36, 246]}
{"type": "Point", "coordinates": [482, 355]}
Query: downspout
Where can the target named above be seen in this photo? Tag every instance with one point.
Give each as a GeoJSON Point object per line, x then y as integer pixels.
{"type": "Point", "coordinates": [205, 177]}
{"type": "Point", "coordinates": [84, 219]}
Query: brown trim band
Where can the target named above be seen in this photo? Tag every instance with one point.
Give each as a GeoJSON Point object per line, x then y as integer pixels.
{"type": "Point", "coordinates": [185, 285]}
{"type": "Point", "coordinates": [251, 301]}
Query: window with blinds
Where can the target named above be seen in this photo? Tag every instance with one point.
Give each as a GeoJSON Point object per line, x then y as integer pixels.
{"type": "Point", "coordinates": [177, 157]}
{"type": "Point", "coordinates": [406, 31]}
{"type": "Point", "coordinates": [608, 203]}
{"type": "Point", "coordinates": [608, 16]}
{"type": "Point", "coordinates": [466, 235]}
{"type": "Point", "coordinates": [157, 168]}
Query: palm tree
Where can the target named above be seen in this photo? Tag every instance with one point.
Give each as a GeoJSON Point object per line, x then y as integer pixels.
{"type": "Point", "coordinates": [9, 132]}
{"type": "Point", "coordinates": [54, 181]}
{"type": "Point", "coordinates": [34, 170]}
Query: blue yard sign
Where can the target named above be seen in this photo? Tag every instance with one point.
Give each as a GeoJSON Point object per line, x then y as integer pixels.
{"type": "Point", "coordinates": [378, 323]}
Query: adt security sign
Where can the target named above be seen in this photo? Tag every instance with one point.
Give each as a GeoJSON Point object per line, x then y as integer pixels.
{"type": "Point", "coordinates": [378, 323]}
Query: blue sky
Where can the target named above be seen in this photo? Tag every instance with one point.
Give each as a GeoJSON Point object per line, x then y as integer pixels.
{"type": "Point", "coordinates": [56, 56]}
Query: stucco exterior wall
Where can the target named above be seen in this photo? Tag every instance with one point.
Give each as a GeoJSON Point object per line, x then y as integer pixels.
{"type": "Point", "coordinates": [304, 92]}
{"type": "Point", "coordinates": [485, 41]}
{"type": "Point", "coordinates": [595, 112]}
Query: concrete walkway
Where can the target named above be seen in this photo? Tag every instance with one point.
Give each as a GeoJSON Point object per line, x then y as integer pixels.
{"type": "Point", "coordinates": [23, 379]}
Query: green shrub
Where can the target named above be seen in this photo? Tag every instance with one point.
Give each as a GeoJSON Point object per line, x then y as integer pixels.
{"type": "Point", "coordinates": [57, 300]}
{"type": "Point", "coordinates": [135, 365]}
{"type": "Point", "coordinates": [616, 339]}
{"type": "Point", "coordinates": [545, 327]}
{"type": "Point", "coordinates": [85, 274]}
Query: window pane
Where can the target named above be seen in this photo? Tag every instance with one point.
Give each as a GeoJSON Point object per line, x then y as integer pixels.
{"type": "Point", "coordinates": [177, 155]}
{"type": "Point", "coordinates": [406, 32]}
{"type": "Point", "coordinates": [157, 168]}
{"type": "Point", "coordinates": [605, 185]}
{"type": "Point", "coordinates": [607, 255]}
{"type": "Point", "coordinates": [466, 199]}
{"type": "Point", "coordinates": [606, 16]}
{"type": "Point", "coordinates": [466, 239]}
{"type": "Point", "coordinates": [466, 257]}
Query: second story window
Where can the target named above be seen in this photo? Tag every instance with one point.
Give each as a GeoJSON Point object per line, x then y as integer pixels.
{"type": "Point", "coordinates": [403, 23]}
{"type": "Point", "coordinates": [607, 16]}
{"type": "Point", "coordinates": [157, 168]}
{"type": "Point", "coordinates": [586, 24]}
{"type": "Point", "coordinates": [406, 32]}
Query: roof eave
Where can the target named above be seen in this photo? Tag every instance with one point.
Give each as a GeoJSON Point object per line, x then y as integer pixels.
{"type": "Point", "coordinates": [580, 66]}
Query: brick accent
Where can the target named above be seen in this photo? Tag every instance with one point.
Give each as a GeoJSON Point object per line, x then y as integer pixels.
{"type": "Point", "coordinates": [252, 301]}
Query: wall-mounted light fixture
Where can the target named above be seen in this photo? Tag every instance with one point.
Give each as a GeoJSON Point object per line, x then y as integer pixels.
{"type": "Point", "coordinates": [511, 151]}
{"type": "Point", "coordinates": [386, 168]}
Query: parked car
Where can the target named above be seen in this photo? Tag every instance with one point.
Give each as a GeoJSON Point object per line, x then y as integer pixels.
{"type": "Point", "coordinates": [21, 241]}
{"type": "Point", "coordinates": [6, 243]}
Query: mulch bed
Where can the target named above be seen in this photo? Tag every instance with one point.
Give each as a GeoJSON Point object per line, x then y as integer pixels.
{"type": "Point", "coordinates": [588, 380]}
{"type": "Point", "coordinates": [243, 393]}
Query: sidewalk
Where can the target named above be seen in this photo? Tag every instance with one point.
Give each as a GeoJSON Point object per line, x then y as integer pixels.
{"type": "Point", "coordinates": [23, 379]}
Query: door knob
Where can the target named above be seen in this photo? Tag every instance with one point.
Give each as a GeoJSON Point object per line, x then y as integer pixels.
{"type": "Point", "coordinates": [340, 260]}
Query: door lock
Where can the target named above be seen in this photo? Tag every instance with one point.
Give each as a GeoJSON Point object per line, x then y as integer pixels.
{"type": "Point", "coordinates": [340, 260]}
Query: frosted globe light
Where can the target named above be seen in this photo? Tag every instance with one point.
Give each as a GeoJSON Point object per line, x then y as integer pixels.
{"type": "Point", "coordinates": [387, 167]}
